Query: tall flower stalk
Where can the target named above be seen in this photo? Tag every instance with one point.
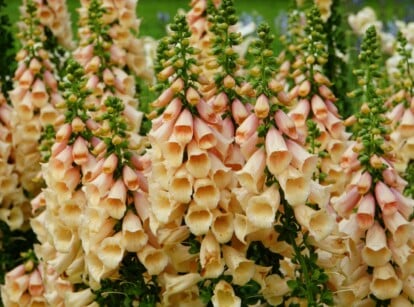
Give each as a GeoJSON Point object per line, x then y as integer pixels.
{"type": "Point", "coordinates": [373, 211]}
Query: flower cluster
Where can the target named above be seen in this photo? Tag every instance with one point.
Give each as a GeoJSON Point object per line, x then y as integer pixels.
{"type": "Point", "coordinates": [249, 189]}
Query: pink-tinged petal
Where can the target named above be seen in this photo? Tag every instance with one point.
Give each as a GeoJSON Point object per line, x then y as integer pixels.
{"type": "Point", "coordinates": [17, 94]}
{"type": "Point", "coordinates": [405, 204]}
{"type": "Point", "coordinates": [319, 108]}
{"type": "Point", "coordinates": [173, 151]}
{"type": "Point", "coordinates": [177, 86]}
{"type": "Point", "coordinates": [172, 111]}
{"type": "Point", "coordinates": [349, 159]}
{"type": "Point", "coordinates": [110, 164]}
{"type": "Point", "coordinates": [251, 176]}
{"type": "Point", "coordinates": [403, 256]}
{"type": "Point", "coordinates": [26, 79]}
{"type": "Point", "coordinates": [164, 98]}
{"type": "Point", "coordinates": [335, 126]}
{"type": "Point", "coordinates": [300, 113]}
{"type": "Point", "coordinates": [262, 107]}
{"type": "Point", "coordinates": [203, 134]}
{"type": "Point", "coordinates": [35, 284]}
{"type": "Point", "coordinates": [235, 159]}
{"type": "Point", "coordinates": [293, 93]}
{"type": "Point", "coordinates": [249, 146]}
{"type": "Point", "coordinates": [207, 113]}
{"type": "Point", "coordinates": [198, 219]}
{"type": "Point", "coordinates": [25, 108]}
{"type": "Point", "coordinates": [399, 227]}
{"type": "Point", "coordinates": [283, 98]}
{"type": "Point", "coordinates": [278, 156]}
{"type": "Point", "coordinates": [142, 205]}
{"type": "Point", "coordinates": [366, 211]}
{"type": "Point", "coordinates": [161, 133]}
{"type": "Point", "coordinates": [166, 73]}
{"type": "Point", "coordinates": [320, 194]}
{"type": "Point", "coordinates": [133, 117]}
{"type": "Point", "coordinates": [130, 178]}
{"type": "Point", "coordinates": [68, 183]}
{"type": "Point", "coordinates": [220, 102]}
{"type": "Point", "coordinates": [118, 55]}
{"type": "Point", "coordinates": [364, 183]}
{"type": "Point", "coordinates": [295, 185]}
{"type": "Point", "coordinates": [92, 168]}
{"type": "Point", "coordinates": [319, 222]}
{"type": "Point", "coordinates": [376, 251]}
{"type": "Point", "coordinates": [92, 82]}
{"type": "Point", "coordinates": [304, 88]}
{"type": "Point", "coordinates": [335, 148]}
{"type": "Point", "coordinates": [301, 158]}
{"type": "Point", "coordinates": [406, 127]}
{"type": "Point", "coordinates": [221, 174]}
{"type": "Point", "coordinates": [115, 202]}
{"type": "Point", "coordinates": [39, 94]}
{"type": "Point", "coordinates": [227, 128]}
{"type": "Point", "coordinates": [350, 228]}
{"type": "Point", "coordinates": [192, 96]}
{"type": "Point", "coordinates": [38, 202]}
{"type": "Point", "coordinates": [332, 108]}
{"type": "Point", "coordinates": [396, 113]}
{"type": "Point", "coordinates": [393, 179]}
{"type": "Point", "coordinates": [326, 93]}
{"type": "Point", "coordinates": [223, 142]}
{"type": "Point", "coordinates": [16, 272]}
{"type": "Point", "coordinates": [58, 147]}
{"type": "Point", "coordinates": [211, 261]}
{"type": "Point", "coordinates": [385, 283]}
{"type": "Point", "coordinates": [261, 208]}
{"type": "Point", "coordinates": [285, 124]}
{"type": "Point", "coordinates": [80, 151]}
{"type": "Point", "coordinates": [198, 163]}
{"type": "Point", "coordinates": [238, 111]}
{"type": "Point", "coordinates": [21, 68]}
{"type": "Point", "coordinates": [321, 79]}
{"type": "Point", "coordinates": [385, 198]}
{"type": "Point", "coordinates": [229, 82]}
{"type": "Point", "coordinates": [247, 128]}
{"type": "Point", "coordinates": [345, 203]}
{"type": "Point", "coordinates": [61, 162]}
{"type": "Point", "coordinates": [98, 188]}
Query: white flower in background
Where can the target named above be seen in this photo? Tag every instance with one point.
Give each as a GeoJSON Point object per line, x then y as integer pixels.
{"type": "Point", "coordinates": [363, 19]}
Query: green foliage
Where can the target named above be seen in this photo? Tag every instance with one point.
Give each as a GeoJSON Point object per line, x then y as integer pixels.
{"type": "Point", "coordinates": [224, 41]}
{"type": "Point", "coordinates": [134, 287]}
{"type": "Point", "coordinates": [264, 256]}
{"type": "Point", "coordinates": [46, 141]}
{"type": "Point", "coordinates": [336, 69]}
{"type": "Point", "coordinates": [100, 37]}
{"type": "Point", "coordinates": [405, 79]}
{"type": "Point", "coordinates": [7, 63]}
{"type": "Point", "coordinates": [15, 248]}
{"type": "Point", "coordinates": [115, 138]}
{"type": "Point", "coordinates": [74, 92]}
{"type": "Point", "coordinates": [371, 120]}
{"type": "Point", "coordinates": [311, 281]}
{"type": "Point", "coordinates": [264, 60]}
{"type": "Point", "coordinates": [248, 293]}
{"type": "Point", "coordinates": [409, 176]}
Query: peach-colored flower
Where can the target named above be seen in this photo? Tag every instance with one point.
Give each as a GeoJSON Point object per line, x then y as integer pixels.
{"type": "Point", "coordinates": [385, 198]}
{"type": "Point", "coordinates": [366, 211]}
{"type": "Point", "coordinates": [376, 252]}
{"type": "Point", "coordinates": [247, 128]}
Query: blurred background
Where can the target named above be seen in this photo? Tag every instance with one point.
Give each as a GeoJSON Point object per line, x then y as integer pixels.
{"type": "Point", "coordinates": [156, 14]}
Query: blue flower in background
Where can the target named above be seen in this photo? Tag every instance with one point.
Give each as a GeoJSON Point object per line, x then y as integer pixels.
{"type": "Point", "coordinates": [163, 17]}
